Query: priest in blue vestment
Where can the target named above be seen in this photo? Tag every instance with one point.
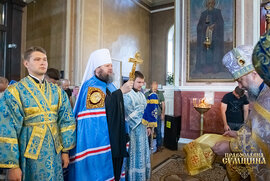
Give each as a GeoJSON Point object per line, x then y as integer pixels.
{"type": "Point", "coordinates": [37, 126]}
{"type": "Point", "coordinates": [101, 133]}
{"type": "Point", "coordinates": [138, 163]}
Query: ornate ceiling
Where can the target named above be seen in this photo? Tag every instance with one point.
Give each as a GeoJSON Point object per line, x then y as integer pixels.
{"type": "Point", "coordinates": [152, 3]}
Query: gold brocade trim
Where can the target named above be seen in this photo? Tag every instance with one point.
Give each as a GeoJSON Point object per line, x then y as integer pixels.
{"type": "Point", "coordinates": [149, 124]}
{"type": "Point", "coordinates": [95, 98]}
{"type": "Point", "coordinates": [54, 108]}
{"type": "Point", "coordinates": [31, 110]}
{"type": "Point", "coordinates": [8, 140]}
{"type": "Point", "coordinates": [59, 148]}
{"type": "Point", "coordinates": [262, 111]}
{"type": "Point", "coordinates": [69, 148]}
{"type": "Point", "coordinates": [237, 172]}
{"type": "Point", "coordinates": [36, 99]}
{"type": "Point", "coordinates": [9, 166]}
{"type": "Point", "coordinates": [15, 93]}
{"type": "Point", "coordinates": [34, 146]}
{"type": "Point", "coordinates": [34, 111]}
{"type": "Point", "coordinates": [198, 159]}
{"type": "Point", "coordinates": [199, 155]}
{"type": "Point", "coordinates": [68, 128]}
{"type": "Point", "coordinates": [263, 147]}
{"type": "Point", "coordinates": [41, 91]}
{"type": "Point", "coordinates": [50, 93]}
{"type": "Point", "coordinates": [248, 123]}
{"type": "Point", "coordinates": [234, 147]}
{"type": "Point", "coordinates": [60, 97]}
{"type": "Point", "coordinates": [56, 138]}
{"type": "Point", "coordinates": [39, 123]}
{"type": "Point", "coordinates": [40, 113]}
{"type": "Point", "coordinates": [251, 173]}
{"type": "Point", "coordinates": [152, 101]}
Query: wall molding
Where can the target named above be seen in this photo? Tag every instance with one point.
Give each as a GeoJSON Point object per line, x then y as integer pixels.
{"type": "Point", "coordinates": [162, 9]}
{"type": "Point", "coordinates": [154, 9]}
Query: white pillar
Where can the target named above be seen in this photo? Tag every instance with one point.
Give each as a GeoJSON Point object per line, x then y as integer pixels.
{"type": "Point", "coordinates": [242, 22]}
{"type": "Point", "coordinates": [178, 41]}
{"type": "Point", "coordinates": [67, 50]}
{"type": "Point", "coordinates": [256, 21]}
{"type": "Point", "coordinates": [79, 69]}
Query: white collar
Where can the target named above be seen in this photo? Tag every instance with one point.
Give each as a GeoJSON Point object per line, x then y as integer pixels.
{"type": "Point", "coordinates": [40, 81]}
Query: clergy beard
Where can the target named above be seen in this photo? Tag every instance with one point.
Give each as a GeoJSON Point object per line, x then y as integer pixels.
{"type": "Point", "coordinates": [253, 92]}
{"type": "Point", "coordinates": [136, 90]}
{"type": "Point", "coordinates": [105, 77]}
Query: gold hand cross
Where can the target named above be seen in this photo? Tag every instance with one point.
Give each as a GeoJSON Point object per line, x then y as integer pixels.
{"type": "Point", "coordinates": [136, 60]}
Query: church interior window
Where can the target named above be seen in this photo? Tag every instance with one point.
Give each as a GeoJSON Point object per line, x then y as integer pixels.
{"type": "Point", "coordinates": [170, 56]}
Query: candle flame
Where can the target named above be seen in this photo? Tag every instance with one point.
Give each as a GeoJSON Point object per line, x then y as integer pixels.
{"type": "Point", "coordinates": [202, 103]}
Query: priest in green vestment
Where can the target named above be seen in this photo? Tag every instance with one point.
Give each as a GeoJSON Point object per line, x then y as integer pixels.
{"type": "Point", "coordinates": [37, 126]}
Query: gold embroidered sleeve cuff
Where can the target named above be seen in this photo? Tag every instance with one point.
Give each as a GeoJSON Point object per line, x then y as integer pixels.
{"type": "Point", "coordinates": [9, 157]}
{"type": "Point", "coordinates": [68, 137]}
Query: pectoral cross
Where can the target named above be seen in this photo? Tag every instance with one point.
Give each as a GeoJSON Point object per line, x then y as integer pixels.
{"type": "Point", "coordinates": [245, 134]}
{"type": "Point", "coordinates": [136, 60]}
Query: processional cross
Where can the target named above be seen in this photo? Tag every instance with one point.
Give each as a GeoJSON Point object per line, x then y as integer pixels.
{"type": "Point", "coordinates": [136, 60]}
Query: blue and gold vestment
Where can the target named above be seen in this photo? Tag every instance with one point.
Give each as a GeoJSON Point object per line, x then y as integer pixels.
{"type": "Point", "coordinates": [150, 115]}
{"type": "Point", "coordinates": [36, 125]}
{"type": "Point", "coordinates": [91, 159]}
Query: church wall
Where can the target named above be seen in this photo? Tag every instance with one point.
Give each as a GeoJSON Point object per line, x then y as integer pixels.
{"type": "Point", "coordinates": [119, 25]}
{"type": "Point", "coordinates": [160, 25]}
{"type": "Point", "coordinates": [191, 119]}
{"type": "Point", "coordinates": [70, 30]}
{"type": "Point", "coordinates": [45, 27]}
